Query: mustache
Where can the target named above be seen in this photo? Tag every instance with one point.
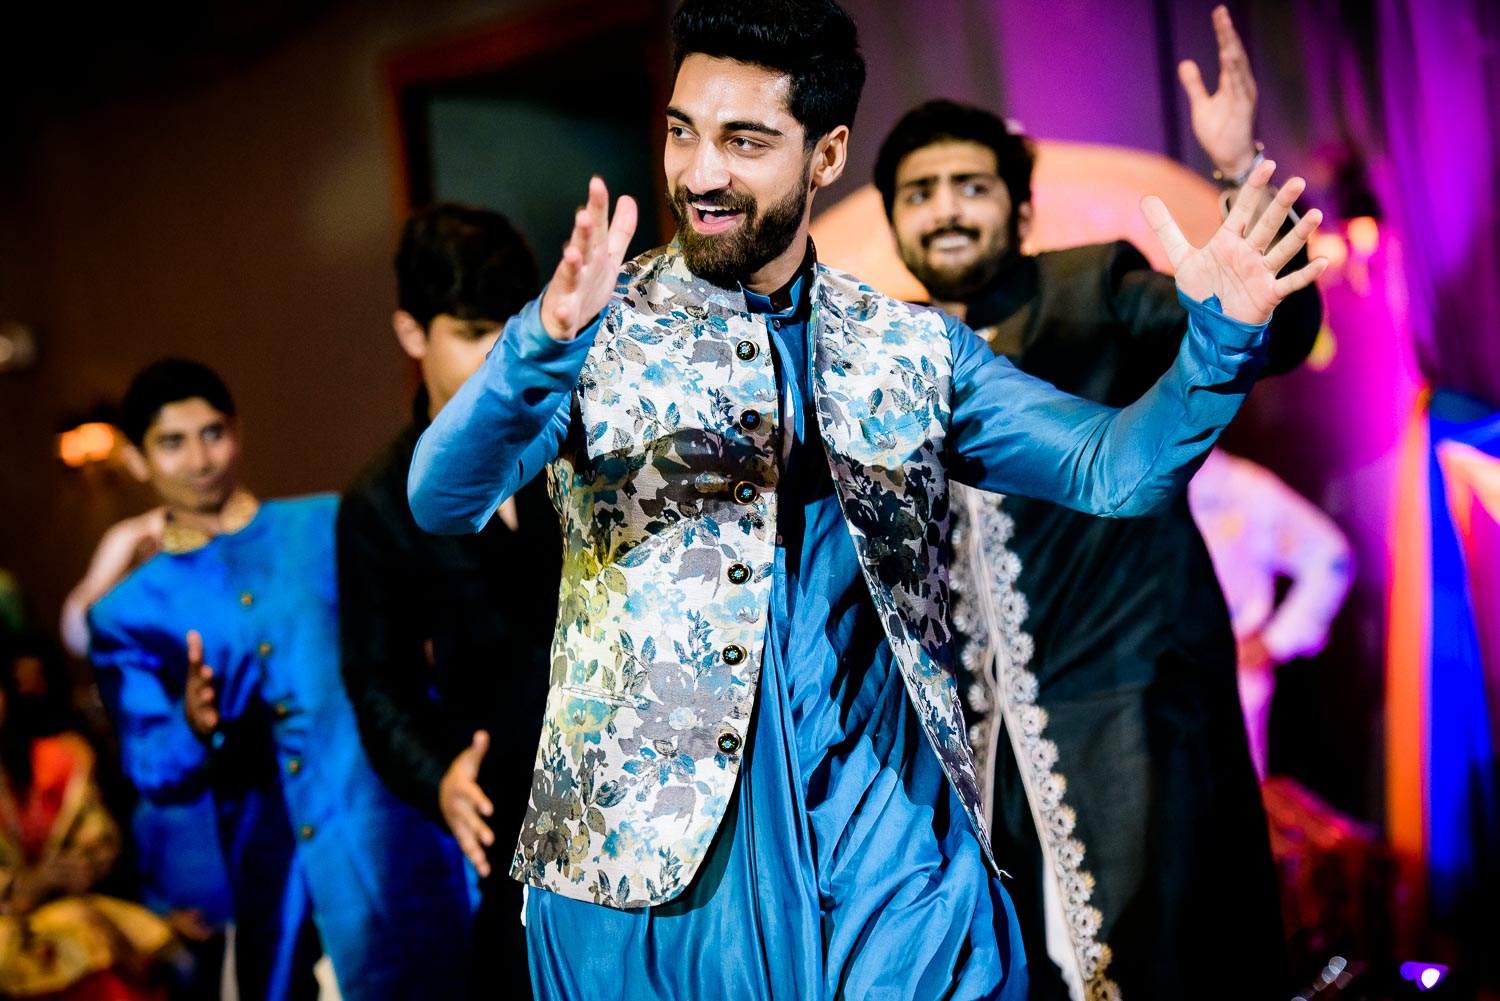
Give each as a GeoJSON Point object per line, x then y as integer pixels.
{"type": "Point", "coordinates": [721, 199]}
{"type": "Point", "coordinates": [927, 238]}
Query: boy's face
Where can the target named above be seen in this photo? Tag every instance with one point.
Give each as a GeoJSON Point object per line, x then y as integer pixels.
{"type": "Point", "coordinates": [454, 351]}
{"type": "Point", "coordinates": [192, 453]}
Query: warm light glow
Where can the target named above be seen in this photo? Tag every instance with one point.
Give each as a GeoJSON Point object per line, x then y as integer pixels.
{"type": "Point", "coordinates": [92, 442]}
{"type": "Point", "coordinates": [1323, 350]}
{"type": "Point", "coordinates": [1329, 245]}
{"type": "Point", "coordinates": [1364, 235]}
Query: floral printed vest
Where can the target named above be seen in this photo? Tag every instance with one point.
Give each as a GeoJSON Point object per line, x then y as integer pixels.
{"type": "Point", "coordinates": [666, 488]}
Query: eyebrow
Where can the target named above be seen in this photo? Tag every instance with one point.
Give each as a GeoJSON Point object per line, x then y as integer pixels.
{"type": "Point", "coordinates": [931, 179]}
{"type": "Point", "coordinates": [759, 128]}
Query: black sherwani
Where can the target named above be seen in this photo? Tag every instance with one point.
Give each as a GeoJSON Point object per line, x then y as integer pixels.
{"type": "Point", "coordinates": [1135, 664]}
{"type": "Point", "coordinates": [442, 636]}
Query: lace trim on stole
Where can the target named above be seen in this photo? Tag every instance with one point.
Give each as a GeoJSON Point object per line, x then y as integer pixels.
{"type": "Point", "coordinates": [989, 611]}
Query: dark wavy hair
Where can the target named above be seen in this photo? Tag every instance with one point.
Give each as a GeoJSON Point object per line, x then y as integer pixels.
{"type": "Point", "coordinates": [170, 380]}
{"type": "Point", "coordinates": [814, 42]}
{"type": "Point", "coordinates": [469, 263]}
{"type": "Point", "coordinates": [947, 121]}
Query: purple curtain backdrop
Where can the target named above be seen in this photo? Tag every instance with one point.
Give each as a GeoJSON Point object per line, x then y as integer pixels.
{"type": "Point", "coordinates": [1440, 89]}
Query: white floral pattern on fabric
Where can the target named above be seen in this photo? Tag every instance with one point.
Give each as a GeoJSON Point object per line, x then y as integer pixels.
{"type": "Point", "coordinates": [989, 616]}
{"type": "Point", "coordinates": [667, 502]}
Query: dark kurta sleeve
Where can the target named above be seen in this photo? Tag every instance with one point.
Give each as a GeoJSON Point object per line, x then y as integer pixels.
{"type": "Point", "coordinates": [385, 664]}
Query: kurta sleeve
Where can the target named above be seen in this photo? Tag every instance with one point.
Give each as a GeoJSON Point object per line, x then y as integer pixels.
{"type": "Point", "coordinates": [400, 725]}
{"type": "Point", "coordinates": [503, 425]}
{"type": "Point", "coordinates": [164, 759]}
{"type": "Point", "coordinates": [1012, 433]}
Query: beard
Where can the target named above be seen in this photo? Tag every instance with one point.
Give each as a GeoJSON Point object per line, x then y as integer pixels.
{"type": "Point", "coordinates": [964, 282]}
{"type": "Point", "coordinates": [727, 259]}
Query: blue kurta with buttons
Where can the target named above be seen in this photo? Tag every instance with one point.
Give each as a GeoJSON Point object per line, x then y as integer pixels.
{"type": "Point", "coordinates": [833, 875]}
{"type": "Point", "coordinates": [637, 422]}
{"type": "Point", "coordinates": [309, 831]}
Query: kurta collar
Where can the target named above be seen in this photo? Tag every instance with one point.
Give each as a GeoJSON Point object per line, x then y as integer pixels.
{"type": "Point", "coordinates": [239, 510]}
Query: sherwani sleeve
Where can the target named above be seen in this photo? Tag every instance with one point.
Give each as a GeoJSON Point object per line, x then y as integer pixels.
{"type": "Point", "coordinates": [505, 422]}
{"type": "Point", "coordinates": [160, 753]}
{"type": "Point", "coordinates": [1012, 433]}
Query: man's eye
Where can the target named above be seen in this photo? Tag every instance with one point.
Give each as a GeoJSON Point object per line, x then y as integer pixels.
{"type": "Point", "coordinates": [213, 433]}
{"type": "Point", "coordinates": [744, 145]}
{"type": "Point", "coordinates": [916, 197]}
{"type": "Point", "coordinates": [976, 189]}
{"type": "Point", "coordinates": [677, 131]}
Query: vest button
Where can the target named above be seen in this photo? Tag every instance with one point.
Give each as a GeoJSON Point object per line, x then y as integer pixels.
{"type": "Point", "coordinates": [264, 649]}
{"type": "Point", "coordinates": [750, 420]}
{"type": "Point", "coordinates": [307, 831]}
{"type": "Point", "coordinates": [247, 599]}
{"type": "Point", "coordinates": [281, 710]}
{"type": "Point", "coordinates": [745, 492]}
{"type": "Point", "coordinates": [746, 350]}
{"type": "Point", "coordinates": [733, 654]}
{"type": "Point", "coordinates": [729, 742]}
{"type": "Point", "coordinates": [738, 573]}
{"type": "Point", "coordinates": [294, 766]}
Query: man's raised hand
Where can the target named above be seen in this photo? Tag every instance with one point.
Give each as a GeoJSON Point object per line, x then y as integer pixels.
{"type": "Point", "coordinates": [1224, 121]}
{"type": "Point", "coordinates": [200, 702]}
{"type": "Point", "coordinates": [1239, 263]}
{"type": "Point", "coordinates": [586, 275]}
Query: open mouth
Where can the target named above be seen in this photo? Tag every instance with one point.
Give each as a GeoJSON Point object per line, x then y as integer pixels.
{"type": "Point", "coordinates": [950, 242]}
{"type": "Point", "coordinates": [709, 219]}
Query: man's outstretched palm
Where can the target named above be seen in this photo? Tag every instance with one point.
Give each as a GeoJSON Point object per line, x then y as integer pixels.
{"type": "Point", "coordinates": [586, 275]}
{"type": "Point", "coordinates": [1239, 264]}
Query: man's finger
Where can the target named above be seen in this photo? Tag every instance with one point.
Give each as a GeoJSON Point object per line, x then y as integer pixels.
{"type": "Point", "coordinates": [1269, 224]}
{"type": "Point", "coordinates": [471, 849]}
{"type": "Point", "coordinates": [1166, 229]}
{"type": "Point", "coordinates": [1286, 248]}
{"type": "Point", "coordinates": [194, 649]}
{"type": "Point", "coordinates": [1238, 220]}
{"type": "Point", "coordinates": [1192, 81]}
{"type": "Point", "coordinates": [1234, 62]}
{"type": "Point", "coordinates": [621, 229]}
{"type": "Point", "coordinates": [1301, 278]}
{"type": "Point", "coordinates": [598, 208]}
{"type": "Point", "coordinates": [470, 795]}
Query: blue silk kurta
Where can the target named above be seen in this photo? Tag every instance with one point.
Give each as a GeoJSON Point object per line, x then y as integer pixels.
{"type": "Point", "coordinates": [309, 832]}
{"type": "Point", "coordinates": [845, 866]}
{"type": "Point", "coordinates": [833, 875]}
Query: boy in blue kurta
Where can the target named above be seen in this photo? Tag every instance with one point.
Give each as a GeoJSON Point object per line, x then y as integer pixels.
{"type": "Point", "coordinates": [753, 779]}
{"type": "Point", "coordinates": [322, 857]}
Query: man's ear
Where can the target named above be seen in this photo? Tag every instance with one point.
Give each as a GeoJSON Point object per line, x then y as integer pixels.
{"type": "Point", "coordinates": [410, 334]}
{"type": "Point", "coordinates": [135, 462]}
{"type": "Point", "coordinates": [1023, 222]}
{"type": "Point", "coordinates": [829, 157]}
